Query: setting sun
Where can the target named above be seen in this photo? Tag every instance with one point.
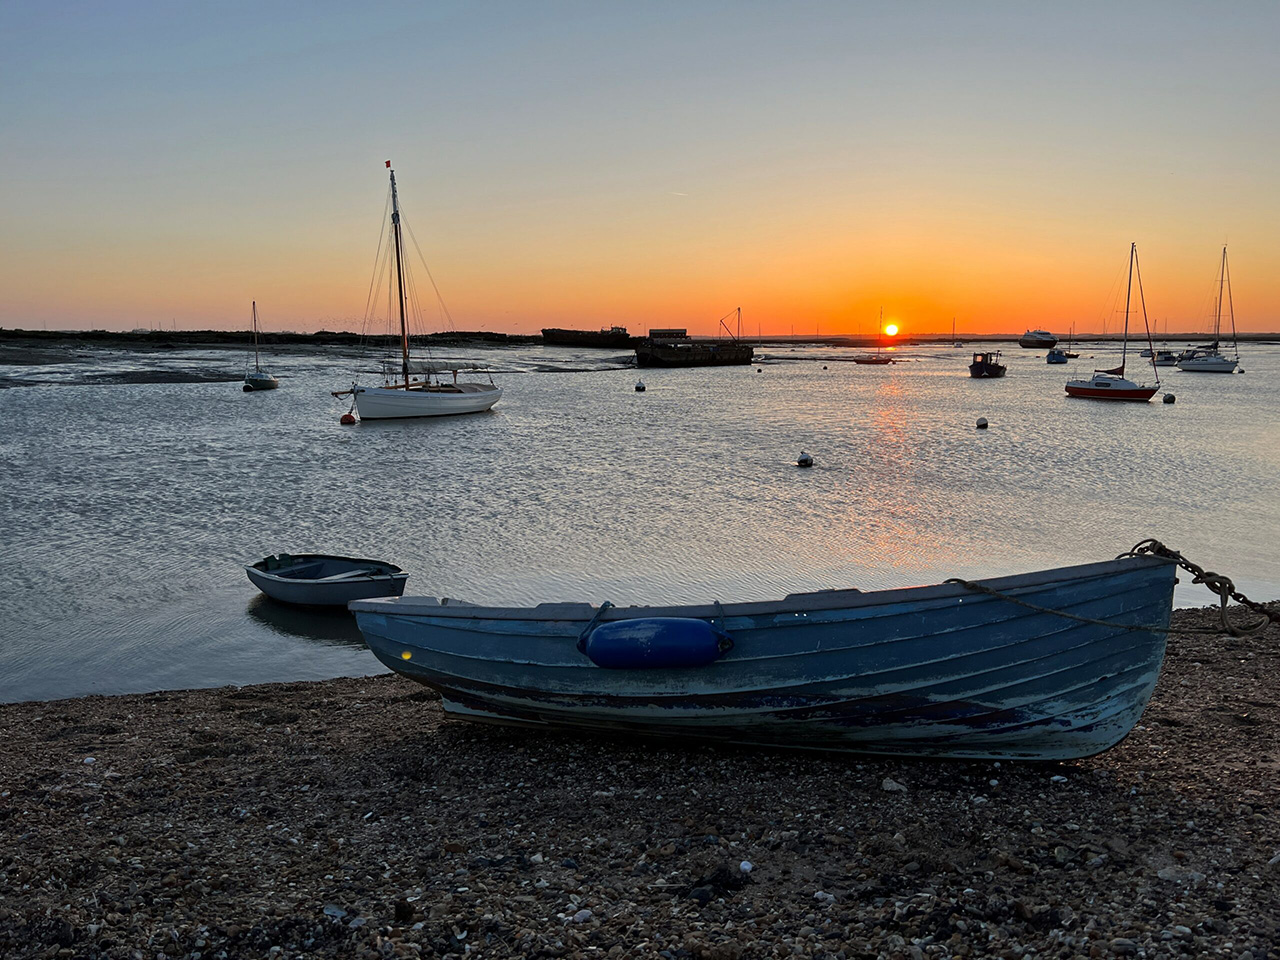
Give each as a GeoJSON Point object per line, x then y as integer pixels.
{"type": "Point", "coordinates": [891, 329]}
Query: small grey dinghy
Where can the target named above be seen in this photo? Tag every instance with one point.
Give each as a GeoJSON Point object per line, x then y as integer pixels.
{"type": "Point", "coordinates": [319, 580]}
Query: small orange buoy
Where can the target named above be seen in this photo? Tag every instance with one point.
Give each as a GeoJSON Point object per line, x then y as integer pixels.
{"type": "Point", "coordinates": [347, 419]}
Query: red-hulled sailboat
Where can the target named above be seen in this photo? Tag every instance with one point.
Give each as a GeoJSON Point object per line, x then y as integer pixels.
{"type": "Point", "coordinates": [1111, 384]}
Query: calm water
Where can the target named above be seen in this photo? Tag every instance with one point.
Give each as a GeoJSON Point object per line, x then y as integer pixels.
{"type": "Point", "coordinates": [130, 508]}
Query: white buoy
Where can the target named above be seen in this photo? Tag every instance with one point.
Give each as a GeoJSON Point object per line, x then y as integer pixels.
{"type": "Point", "coordinates": [982, 423]}
{"type": "Point", "coordinates": [804, 460]}
{"type": "Point", "coordinates": [639, 386]}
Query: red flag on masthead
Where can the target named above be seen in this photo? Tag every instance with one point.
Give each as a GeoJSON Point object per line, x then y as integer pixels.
{"type": "Point", "coordinates": [388, 164]}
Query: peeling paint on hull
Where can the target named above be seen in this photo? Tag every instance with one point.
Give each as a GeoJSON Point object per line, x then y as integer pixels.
{"type": "Point", "coordinates": [925, 671]}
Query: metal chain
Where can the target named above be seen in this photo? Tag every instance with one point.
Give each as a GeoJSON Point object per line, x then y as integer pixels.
{"type": "Point", "coordinates": [1222, 586]}
{"type": "Point", "coordinates": [1216, 582]}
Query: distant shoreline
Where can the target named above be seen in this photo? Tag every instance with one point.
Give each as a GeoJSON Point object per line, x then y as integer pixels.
{"type": "Point", "coordinates": [178, 339]}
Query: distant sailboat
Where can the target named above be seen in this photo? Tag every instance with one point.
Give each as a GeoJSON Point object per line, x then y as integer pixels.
{"type": "Point", "coordinates": [403, 396]}
{"type": "Point", "coordinates": [1111, 384]}
{"type": "Point", "coordinates": [1210, 359]}
{"type": "Point", "coordinates": [257, 378]}
{"type": "Point", "coordinates": [1071, 355]}
{"type": "Point", "coordinates": [954, 341]}
{"type": "Point", "coordinates": [875, 359]}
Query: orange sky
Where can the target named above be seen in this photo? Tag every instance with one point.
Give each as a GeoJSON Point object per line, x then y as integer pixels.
{"type": "Point", "coordinates": [591, 165]}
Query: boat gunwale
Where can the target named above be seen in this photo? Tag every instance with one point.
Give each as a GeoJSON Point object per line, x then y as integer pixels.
{"type": "Point", "coordinates": [852, 598]}
{"type": "Point", "coordinates": [396, 572]}
{"type": "Point", "coordinates": [952, 657]}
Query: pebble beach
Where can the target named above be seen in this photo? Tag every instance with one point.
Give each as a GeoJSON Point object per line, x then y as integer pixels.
{"type": "Point", "coordinates": [351, 818]}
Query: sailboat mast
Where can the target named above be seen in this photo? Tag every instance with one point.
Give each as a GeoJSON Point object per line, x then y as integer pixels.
{"type": "Point", "coordinates": [395, 229]}
{"type": "Point", "coordinates": [1124, 350]}
{"type": "Point", "coordinates": [256, 365]}
{"type": "Point", "coordinates": [1231, 307]}
{"type": "Point", "coordinates": [1222, 279]}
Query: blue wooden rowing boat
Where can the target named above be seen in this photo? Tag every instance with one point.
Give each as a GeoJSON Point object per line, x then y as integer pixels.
{"type": "Point", "coordinates": [923, 671]}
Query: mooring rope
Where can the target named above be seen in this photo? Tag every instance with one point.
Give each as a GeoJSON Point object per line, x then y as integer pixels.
{"type": "Point", "coordinates": [1216, 582]}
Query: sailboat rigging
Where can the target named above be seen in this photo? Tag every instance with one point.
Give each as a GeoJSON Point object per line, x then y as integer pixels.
{"type": "Point", "coordinates": [403, 396]}
{"type": "Point", "coordinates": [257, 378]}
{"type": "Point", "coordinates": [1111, 384]}
{"type": "Point", "coordinates": [1210, 359]}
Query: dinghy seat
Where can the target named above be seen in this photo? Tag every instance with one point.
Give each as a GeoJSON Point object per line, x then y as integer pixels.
{"type": "Point", "coordinates": [347, 575]}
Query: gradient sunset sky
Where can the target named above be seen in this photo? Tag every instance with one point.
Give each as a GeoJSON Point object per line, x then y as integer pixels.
{"type": "Point", "coordinates": [648, 164]}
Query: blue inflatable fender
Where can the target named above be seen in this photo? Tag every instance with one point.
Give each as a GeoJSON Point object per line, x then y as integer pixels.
{"type": "Point", "coordinates": [651, 643]}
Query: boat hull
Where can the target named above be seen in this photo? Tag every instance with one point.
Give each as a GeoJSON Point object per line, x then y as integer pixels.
{"type": "Point", "coordinates": [385, 403]}
{"type": "Point", "coordinates": [1085, 391]}
{"type": "Point", "coordinates": [554, 336]}
{"type": "Point", "coordinates": [692, 354]}
{"type": "Point", "coordinates": [926, 671]}
{"type": "Point", "coordinates": [1208, 365]}
{"type": "Point", "coordinates": [261, 381]}
{"type": "Point", "coordinates": [1031, 341]}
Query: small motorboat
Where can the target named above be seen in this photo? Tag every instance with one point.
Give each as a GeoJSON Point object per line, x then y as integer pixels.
{"type": "Point", "coordinates": [319, 580]}
{"type": "Point", "coordinates": [1166, 358]}
{"type": "Point", "coordinates": [1056, 355]}
{"type": "Point", "coordinates": [986, 365]}
{"type": "Point", "coordinates": [1052, 665]}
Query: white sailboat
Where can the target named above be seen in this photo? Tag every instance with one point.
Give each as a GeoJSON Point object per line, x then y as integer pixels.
{"type": "Point", "coordinates": [257, 378]}
{"type": "Point", "coordinates": [402, 396]}
{"type": "Point", "coordinates": [1111, 384]}
{"type": "Point", "coordinates": [1210, 359]}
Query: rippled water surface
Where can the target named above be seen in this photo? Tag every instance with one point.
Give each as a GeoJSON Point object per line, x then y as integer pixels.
{"type": "Point", "coordinates": [130, 508]}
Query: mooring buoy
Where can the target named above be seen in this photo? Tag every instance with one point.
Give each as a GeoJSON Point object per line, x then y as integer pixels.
{"type": "Point", "coordinates": [1170, 398]}
{"type": "Point", "coordinates": [804, 460]}
{"type": "Point", "coordinates": [640, 386]}
{"type": "Point", "coordinates": [982, 423]}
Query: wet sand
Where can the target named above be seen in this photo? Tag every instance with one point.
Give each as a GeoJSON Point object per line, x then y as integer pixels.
{"type": "Point", "coordinates": [350, 818]}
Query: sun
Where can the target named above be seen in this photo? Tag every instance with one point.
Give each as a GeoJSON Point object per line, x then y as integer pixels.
{"type": "Point", "coordinates": [891, 330]}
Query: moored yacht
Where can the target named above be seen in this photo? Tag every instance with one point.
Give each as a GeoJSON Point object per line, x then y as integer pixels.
{"type": "Point", "coordinates": [1112, 384]}
{"type": "Point", "coordinates": [1035, 339]}
{"type": "Point", "coordinates": [401, 396]}
{"type": "Point", "coordinates": [1210, 359]}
